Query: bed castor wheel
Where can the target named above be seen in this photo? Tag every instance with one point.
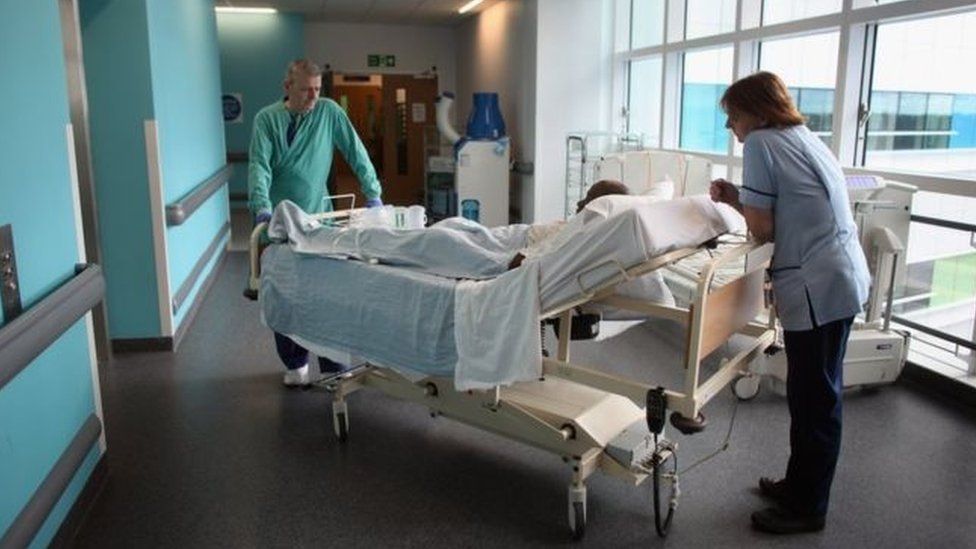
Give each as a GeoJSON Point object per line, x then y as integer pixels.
{"type": "Point", "coordinates": [340, 420]}
{"type": "Point", "coordinates": [342, 427]}
{"type": "Point", "coordinates": [577, 511]}
{"type": "Point", "coordinates": [689, 426]}
{"type": "Point", "coordinates": [578, 521]}
{"type": "Point", "coordinates": [746, 387]}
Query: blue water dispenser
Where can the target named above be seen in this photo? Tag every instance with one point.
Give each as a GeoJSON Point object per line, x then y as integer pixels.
{"type": "Point", "coordinates": [471, 209]}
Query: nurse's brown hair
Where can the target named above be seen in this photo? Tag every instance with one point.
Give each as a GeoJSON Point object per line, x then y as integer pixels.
{"type": "Point", "coordinates": [763, 95]}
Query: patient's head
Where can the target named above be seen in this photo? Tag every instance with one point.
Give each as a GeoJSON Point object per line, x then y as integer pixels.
{"type": "Point", "coordinates": [601, 188]}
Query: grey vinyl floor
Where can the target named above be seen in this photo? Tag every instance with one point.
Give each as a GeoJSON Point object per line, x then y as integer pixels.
{"type": "Point", "coordinates": [207, 449]}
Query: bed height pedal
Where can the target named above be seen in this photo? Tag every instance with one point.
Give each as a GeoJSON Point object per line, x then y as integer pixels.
{"type": "Point", "coordinates": [633, 447]}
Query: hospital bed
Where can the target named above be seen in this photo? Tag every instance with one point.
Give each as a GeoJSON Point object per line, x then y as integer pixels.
{"type": "Point", "coordinates": [594, 420]}
{"type": "Point", "coordinates": [876, 352]}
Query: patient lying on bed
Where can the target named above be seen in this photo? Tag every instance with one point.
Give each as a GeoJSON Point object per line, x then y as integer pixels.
{"type": "Point", "coordinates": [455, 247]}
{"type": "Point", "coordinates": [543, 238]}
{"type": "Point", "coordinates": [462, 249]}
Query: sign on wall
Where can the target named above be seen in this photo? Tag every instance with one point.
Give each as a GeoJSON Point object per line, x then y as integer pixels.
{"type": "Point", "coordinates": [380, 60]}
{"type": "Point", "coordinates": [418, 113]}
{"type": "Point", "coordinates": [233, 108]}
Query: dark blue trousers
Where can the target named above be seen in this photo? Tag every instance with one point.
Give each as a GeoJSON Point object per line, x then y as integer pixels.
{"type": "Point", "coordinates": [815, 360]}
{"type": "Point", "coordinates": [294, 355]}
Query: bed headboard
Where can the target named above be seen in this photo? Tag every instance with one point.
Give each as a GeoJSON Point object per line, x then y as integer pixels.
{"type": "Point", "coordinates": [641, 170]}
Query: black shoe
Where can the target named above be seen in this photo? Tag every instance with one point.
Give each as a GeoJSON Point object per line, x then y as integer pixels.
{"type": "Point", "coordinates": [775, 490]}
{"type": "Point", "coordinates": [781, 521]}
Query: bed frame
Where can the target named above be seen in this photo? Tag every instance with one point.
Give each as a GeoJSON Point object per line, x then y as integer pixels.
{"type": "Point", "coordinates": [592, 419]}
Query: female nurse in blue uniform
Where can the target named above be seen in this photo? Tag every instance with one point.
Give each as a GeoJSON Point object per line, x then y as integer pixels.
{"type": "Point", "coordinates": [794, 195]}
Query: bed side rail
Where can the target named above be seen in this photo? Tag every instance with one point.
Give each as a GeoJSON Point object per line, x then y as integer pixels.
{"type": "Point", "coordinates": [255, 246]}
{"type": "Point", "coordinates": [732, 305]}
{"type": "Point", "coordinates": [715, 315]}
{"type": "Point", "coordinates": [608, 286]}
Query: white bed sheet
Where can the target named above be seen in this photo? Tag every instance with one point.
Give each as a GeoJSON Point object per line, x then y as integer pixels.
{"type": "Point", "coordinates": [624, 233]}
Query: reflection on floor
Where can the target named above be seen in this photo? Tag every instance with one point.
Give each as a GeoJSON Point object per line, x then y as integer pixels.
{"type": "Point", "coordinates": [240, 229]}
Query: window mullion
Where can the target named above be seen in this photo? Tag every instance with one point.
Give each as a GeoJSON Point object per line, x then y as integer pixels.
{"type": "Point", "coordinates": [851, 67]}
{"type": "Point", "coordinates": [745, 57]}
{"type": "Point", "coordinates": [674, 25]}
{"type": "Point", "coordinates": [671, 100]}
{"type": "Point", "coordinates": [674, 31]}
{"type": "Point", "coordinates": [737, 56]}
{"type": "Point", "coordinates": [662, 121]}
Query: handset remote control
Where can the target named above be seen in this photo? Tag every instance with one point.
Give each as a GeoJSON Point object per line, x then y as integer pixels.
{"type": "Point", "coordinates": [657, 410]}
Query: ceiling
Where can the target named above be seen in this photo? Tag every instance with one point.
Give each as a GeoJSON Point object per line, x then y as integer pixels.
{"type": "Point", "coordinates": [395, 12]}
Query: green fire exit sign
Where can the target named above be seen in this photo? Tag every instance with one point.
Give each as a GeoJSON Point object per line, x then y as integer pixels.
{"type": "Point", "coordinates": [380, 60]}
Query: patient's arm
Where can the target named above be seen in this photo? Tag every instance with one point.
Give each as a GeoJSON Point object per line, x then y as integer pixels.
{"type": "Point", "coordinates": [516, 261]}
{"type": "Point", "coordinates": [543, 238]}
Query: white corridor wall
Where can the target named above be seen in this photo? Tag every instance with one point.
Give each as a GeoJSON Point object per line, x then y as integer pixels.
{"type": "Point", "coordinates": [572, 91]}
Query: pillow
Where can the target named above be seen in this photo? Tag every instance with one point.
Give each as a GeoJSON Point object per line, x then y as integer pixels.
{"type": "Point", "coordinates": [662, 190]}
{"type": "Point", "coordinates": [613, 204]}
{"type": "Point", "coordinates": [608, 206]}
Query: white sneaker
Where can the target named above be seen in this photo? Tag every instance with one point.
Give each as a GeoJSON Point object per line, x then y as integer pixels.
{"type": "Point", "coordinates": [297, 377]}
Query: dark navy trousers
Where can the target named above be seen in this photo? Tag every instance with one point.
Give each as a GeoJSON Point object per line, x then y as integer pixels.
{"type": "Point", "coordinates": [294, 355]}
{"type": "Point", "coordinates": [814, 381]}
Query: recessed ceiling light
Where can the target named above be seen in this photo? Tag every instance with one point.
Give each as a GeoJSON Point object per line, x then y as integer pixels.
{"type": "Point", "coordinates": [469, 6]}
{"type": "Point", "coordinates": [232, 9]}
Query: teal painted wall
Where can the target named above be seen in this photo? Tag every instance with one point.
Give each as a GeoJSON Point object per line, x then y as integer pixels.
{"type": "Point", "coordinates": [152, 59]}
{"type": "Point", "coordinates": [186, 93]}
{"type": "Point", "coordinates": [255, 49]}
{"type": "Point", "coordinates": [117, 72]}
{"type": "Point", "coordinates": [43, 407]}
{"type": "Point", "coordinates": [187, 242]}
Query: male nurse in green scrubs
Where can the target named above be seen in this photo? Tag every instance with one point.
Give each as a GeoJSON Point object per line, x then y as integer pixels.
{"type": "Point", "coordinates": [290, 159]}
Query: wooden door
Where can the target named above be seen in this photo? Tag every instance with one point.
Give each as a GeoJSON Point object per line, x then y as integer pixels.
{"type": "Point", "coordinates": [408, 101]}
{"type": "Point", "coordinates": [361, 97]}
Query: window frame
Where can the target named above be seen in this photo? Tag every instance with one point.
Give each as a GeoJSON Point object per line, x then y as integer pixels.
{"type": "Point", "coordinates": [857, 22]}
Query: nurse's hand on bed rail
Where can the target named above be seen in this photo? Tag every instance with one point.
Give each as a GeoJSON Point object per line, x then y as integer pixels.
{"type": "Point", "coordinates": [374, 202]}
{"type": "Point", "coordinates": [725, 192]}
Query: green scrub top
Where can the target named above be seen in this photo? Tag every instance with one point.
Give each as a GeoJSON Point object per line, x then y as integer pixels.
{"type": "Point", "coordinates": [278, 171]}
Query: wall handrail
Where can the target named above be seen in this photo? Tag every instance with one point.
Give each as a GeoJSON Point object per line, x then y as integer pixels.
{"type": "Point", "coordinates": [28, 335]}
{"type": "Point", "coordinates": [181, 210]}
{"type": "Point", "coordinates": [183, 292]}
{"type": "Point", "coordinates": [31, 518]}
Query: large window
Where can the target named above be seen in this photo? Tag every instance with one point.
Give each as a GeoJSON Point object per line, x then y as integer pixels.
{"type": "Point", "coordinates": [923, 103]}
{"type": "Point", "coordinates": [645, 99]}
{"type": "Point", "coordinates": [888, 85]}
{"type": "Point", "coordinates": [808, 65]}
{"type": "Point", "coordinates": [707, 74]}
